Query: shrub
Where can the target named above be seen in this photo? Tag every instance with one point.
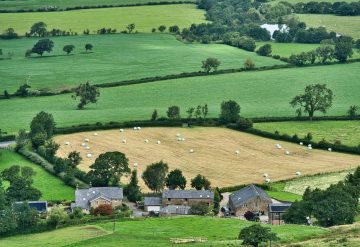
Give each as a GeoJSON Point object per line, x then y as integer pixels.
{"type": "Point", "coordinates": [250, 216]}
{"type": "Point", "coordinates": [244, 123]}
{"type": "Point", "coordinates": [264, 50]}
{"type": "Point", "coordinates": [76, 213]}
{"type": "Point", "coordinates": [249, 64]}
{"type": "Point", "coordinates": [103, 209]}
{"type": "Point", "coordinates": [199, 209]}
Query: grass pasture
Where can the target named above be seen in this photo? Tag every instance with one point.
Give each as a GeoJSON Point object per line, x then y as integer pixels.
{"type": "Point", "coordinates": [345, 25]}
{"type": "Point", "coordinates": [61, 4]}
{"type": "Point", "coordinates": [287, 49]}
{"type": "Point", "coordinates": [214, 154]}
{"type": "Point", "coordinates": [156, 232]}
{"type": "Point", "coordinates": [348, 132]}
{"type": "Point", "coordinates": [52, 188]}
{"type": "Point", "coordinates": [265, 93]}
{"type": "Point", "coordinates": [114, 58]}
{"type": "Point", "coordinates": [60, 237]}
{"type": "Point", "coordinates": [144, 17]}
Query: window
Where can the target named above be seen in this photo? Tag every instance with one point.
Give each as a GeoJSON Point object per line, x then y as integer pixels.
{"type": "Point", "coordinates": [186, 199]}
{"type": "Point", "coordinates": [169, 199]}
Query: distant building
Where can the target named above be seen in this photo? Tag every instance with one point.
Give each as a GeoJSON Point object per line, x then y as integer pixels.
{"type": "Point", "coordinates": [251, 198]}
{"type": "Point", "coordinates": [96, 196]}
{"type": "Point", "coordinates": [276, 212]}
{"type": "Point", "coordinates": [178, 201]}
{"type": "Point", "coordinates": [40, 206]}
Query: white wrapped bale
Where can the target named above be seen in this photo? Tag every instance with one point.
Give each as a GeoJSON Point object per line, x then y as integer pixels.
{"type": "Point", "coordinates": [278, 146]}
{"type": "Point", "coordinates": [135, 128]}
{"type": "Point", "coordinates": [310, 148]}
{"type": "Point", "coordinates": [83, 144]}
{"type": "Point", "coordinates": [86, 140]}
{"type": "Point", "coordinates": [267, 180]}
{"type": "Point", "coordinates": [287, 152]}
{"type": "Point", "coordinates": [191, 150]}
{"type": "Point", "coordinates": [237, 152]}
{"type": "Point", "coordinates": [139, 128]}
{"type": "Point", "coordinates": [298, 173]}
{"type": "Point", "coordinates": [121, 130]}
{"type": "Point", "coordinates": [158, 142]}
{"type": "Point", "coordinates": [95, 134]}
{"type": "Point", "coordinates": [124, 141]}
{"type": "Point", "coordinates": [87, 148]}
{"type": "Point", "coordinates": [330, 149]}
{"type": "Point", "coordinates": [178, 135]}
{"type": "Point", "coordinates": [136, 165]}
{"type": "Point", "coordinates": [67, 143]}
{"type": "Point", "coordinates": [183, 139]}
{"type": "Point", "coordinates": [146, 141]}
{"type": "Point", "coordinates": [89, 155]}
{"type": "Point", "coordinates": [265, 175]}
{"type": "Point", "coordinates": [301, 143]}
{"type": "Point", "coordinates": [309, 145]}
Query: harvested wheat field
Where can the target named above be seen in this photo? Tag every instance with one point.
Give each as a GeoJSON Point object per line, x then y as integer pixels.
{"type": "Point", "coordinates": [213, 153]}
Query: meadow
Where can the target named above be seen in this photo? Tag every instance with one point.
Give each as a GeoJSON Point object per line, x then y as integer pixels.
{"type": "Point", "coordinates": [265, 93]}
{"type": "Point", "coordinates": [158, 231]}
{"type": "Point", "coordinates": [348, 132]}
{"type": "Point", "coordinates": [213, 154]}
{"type": "Point", "coordinates": [61, 4]}
{"type": "Point", "coordinates": [287, 49]}
{"type": "Point", "coordinates": [114, 58]}
{"type": "Point", "coordinates": [52, 188]}
{"type": "Point", "coordinates": [345, 25]}
{"type": "Point", "coordinates": [144, 17]}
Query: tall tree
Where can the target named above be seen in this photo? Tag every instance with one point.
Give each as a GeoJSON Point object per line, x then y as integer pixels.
{"type": "Point", "coordinates": [43, 45]}
{"type": "Point", "coordinates": [204, 111]}
{"type": "Point", "coordinates": [73, 158]}
{"type": "Point", "coordinates": [154, 176]}
{"type": "Point", "coordinates": [173, 112]}
{"type": "Point", "coordinates": [154, 115]}
{"type": "Point", "coordinates": [132, 190]}
{"type": "Point", "coordinates": [43, 122]}
{"type": "Point", "coordinates": [200, 182]}
{"type": "Point", "coordinates": [325, 52]}
{"type": "Point", "coordinates": [343, 50]}
{"type": "Point", "coordinates": [68, 49]}
{"type": "Point", "coordinates": [108, 169]}
{"type": "Point", "coordinates": [38, 29]}
{"type": "Point", "coordinates": [255, 234]}
{"type": "Point", "coordinates": [316, 97]}
{"type": "Point", "coordinates": [190, 112]}
{"type": "Point", "coordinates": [230, 112]}
{"type": "Point", "coordinates": [210, 64]}
{"type": "Point", "coordinates": [87, 93]}
{"type": "Point", "coordinates": [88, 47]}
{"type": "Point", "coordinates": [175, 179]}
{"type": "Point", "coordinates": [130, 27]}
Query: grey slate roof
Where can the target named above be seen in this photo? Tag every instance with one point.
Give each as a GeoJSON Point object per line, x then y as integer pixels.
{"type": "Point", "coordinates": [189, 194]}
{"type": "Point", "coordinates": [40, 206]}
{"type": "Point", "coordinates": [279, 207]}
{"type": "Point", "coordinates": [240, 197]}
{"type": "Point", "coordinates": [84, 196]}
{"type": "Point", "coordinates": [152, 201]}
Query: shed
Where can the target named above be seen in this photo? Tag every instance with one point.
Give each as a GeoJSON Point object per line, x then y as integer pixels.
{"type": "Point", "coordinates": [152, 204]}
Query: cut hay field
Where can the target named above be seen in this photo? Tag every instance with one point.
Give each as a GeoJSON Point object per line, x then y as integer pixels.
{"type": "Point", "coordinates": [345, 25]}
{"type": "Point", "coordinates": [348, 132]}
{"type": "Point", "coordinates": [214, 154]}
{"type": "Point", "coordinates": [321, 181]}
{"type": "Point", "coordinates": [61, 4]}
{"type": "Point", "coordinates": [144, 17]}
{"type": "Point", "coordinates": [52, 188]}
{"type": "Point", "coordinates": [265, 93]}
{"type": "Point", "coordinates": [114, 58]}
{"type": "Point", "coordinates": [157, 232]}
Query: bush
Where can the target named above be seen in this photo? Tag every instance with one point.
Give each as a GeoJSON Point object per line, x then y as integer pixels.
{"type": "Point", "coordinates": [250, 216]}
{"type": "Point", "coordinates": [104, 209]}
{"type": "Point", "coordinates": [244, 123]}
{"type": "Point", "coordinates": [199, 209]}
{"type": "Point", "coordinates": [264, 50]}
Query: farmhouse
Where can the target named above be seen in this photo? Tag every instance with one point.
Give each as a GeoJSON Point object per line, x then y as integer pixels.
{"type": "Point", "coordinates": [276, 211]}
{"type": "Point", "coordinates": [251, 198]}
{"type": "Point", "coordinates": [178, 201]}
{"type": "Point", "coordinates": [93, 197]}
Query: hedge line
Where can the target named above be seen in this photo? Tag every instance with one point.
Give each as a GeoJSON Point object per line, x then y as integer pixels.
{"type": "Point", "coordinates": [6, 138]}
{"type": "Point", "coordinates": [303, 118]}
{"type": "Point", "coordinates": [37, 159]}
{"type": "Point", "coordinates": [93, 7]}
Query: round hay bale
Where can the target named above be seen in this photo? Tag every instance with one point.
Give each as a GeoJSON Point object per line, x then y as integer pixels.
{"type": "Point", "coordinates": [309, 145]}
{"type": "Point", "coordinates": [267, 180]}
{"type": "Point", "coordinates": [178, 135]}
{"type": "Point", "coordinates": [237, 152]}
{"type": "Point", "coordinates": [301, 143]}
{"type": "Point", "coordinates": [67, 143]}
{"type": "Point", "coordinates": [191, 150]}
{"type": "Point", "coordinates": [146, 141]}
{"type": "Point", "coordinates": [287, 152]}
{"type": "Point", "coordinates": [87, 148]}
{"type": "Point", "coordinates": [83, 144]}
{"type": "Point", "coordinates": [158, 142]}
{"type": "Point", "coordinates": [330, 149]}
{"type": "Point", "coordinates": [298, 173]}
{"type": "Point", "coordinates": [136, 164]}
{"type": "Point", "coordinates": [123, 140]}
{"type": "Point", "coordinates": [139, 128]}
{"type": "Point", "coordinates": [86, 140]}
{"type": "Point", "coordinates": [265, 175]}
{"type": "Point", "coordinates": [121, 130]}
{"type": "Point", "coordinates": [310, 148]}
{"type": "Point", "coordinates": [183, 139]}
{"type": "Point", "coordinates": [95, 134]}
{"type": "Point", "coordinates": [88, 155]}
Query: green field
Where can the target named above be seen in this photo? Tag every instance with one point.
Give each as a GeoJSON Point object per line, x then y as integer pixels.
{"type": "Point", "coordinates": [348, 132]}
{"type": "Point", "coordinates": [144, 17]}
{"type": "Point", "coordinates": [287, 49]}
{"type": "Point", "coordinates": [345, 25]}
{"type": "Point", "coordinates": [265, 93]}
{"type": "Point", "coordinates": [114, 58]}
{"type": "Point", "coordinates": [156, 232]}
{"type": "Point", "coordinates": [61, 4]}
{"type": "Point", "coordinates": [51, 187]}
{"type": "Point", "coordinates": [278, 192]}
{"type": "Point", "coordinates": [322, 181]}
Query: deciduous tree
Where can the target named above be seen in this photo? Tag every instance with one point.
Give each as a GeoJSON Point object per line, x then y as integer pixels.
{"type": "Point", "coordinates": [154, 176]}
{"type": "Point", "coordinates": [87, 94]}
{"type": "Point", "coordinates": [175, 179]}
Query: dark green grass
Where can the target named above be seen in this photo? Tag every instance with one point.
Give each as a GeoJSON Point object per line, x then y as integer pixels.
{"type": "Point", "coordinates": [61, 4]}
{"type": "Point", "coordinates": [265, 93]}
{"type": "Point", "coordinates": [51, 187]}
{"type": "Point", "coordinates": [347, 132]}
{"type": "Point", "coordinates": [114, 58]}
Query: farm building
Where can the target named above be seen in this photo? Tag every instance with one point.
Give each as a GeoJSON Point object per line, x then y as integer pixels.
{"type": "Point", "coordinates": [178, 201]}
{"type": "Point", "coordinates": [251, 198]}
{"type": "Point", "coordinates": [93, 197]}
{"type": "Point", "coordinates": [40, 206]}
{"type": "Point", "coordinates": [276, 211]}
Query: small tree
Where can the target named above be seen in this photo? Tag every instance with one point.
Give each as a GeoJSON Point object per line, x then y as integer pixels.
{"type": "Point", "coordinates": [244, 124]}
{"type": "Point", "coordinates": [132, 190]}
{"type": "Point", "coordinates": [175, 179]}
{"type": "Point", "coordinates": [173, 112]}
{"type": "Point", "coordinates": [190, 112]}
{"type": "Point", "coordinates": [38, 29]}
{"type": "Point", "coordinates": [198, 112]}
{"type": "Point", "coordinates": [325, 52]}
{"type": "Point", "coordinates": [316, 97]}
{"type": "Point", "coordinates": [264, 50]}
{"type": "Point", "coordinates": [352, 112]}
{"type": "Point", "coordinates": [43, 122]}
{"type": "Point", "coordinates": [154, 176]}
{"type": "Point", "coordinates": [204, 111]}
{"type": "Point", "coordinates": [249, 64]}
{"type": "Point", "coordinates": [154, 115]}
{"type": "Point", "coordinates": [230, 112]}
{"type": "Point", "coordinates": [210, 64]}
{"type": "Point", "coordinates": [174, 29]}
{"type": "Point", "coordinates": [43, 45]}
{"type": "Point", "coordinates": [200, 182]}
{"type": "Point", "coordinates": [343, 50]}
{"type": "Point", "coordinates": [256, 234]}
{"type": "Point", "coordinates": [103, 209]}
{"type": "Point", "coordinates": [6, 94]}
{"type": "Point", "coordinates": [88, 47]}
{"type": "Point", "coordinates": [68, 49]}
{"type": "Point", "coordinates": [162, 28]}
{"type": "Point", "coordinates": [23, 90]}
{"type": "Point", "coordinates": [130, 27]}
{"type": "Point", "coordinates": [56, 217]}
{"type": "Point", "coordinates": [217, 200]}
{"type": "Point", "coordinates": [87, 93]}
{"type": "Point", "coordinates": [74, 159]}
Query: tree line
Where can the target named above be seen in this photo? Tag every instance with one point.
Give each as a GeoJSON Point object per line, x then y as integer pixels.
{"type": "Point", "coordinates": [335, 8]}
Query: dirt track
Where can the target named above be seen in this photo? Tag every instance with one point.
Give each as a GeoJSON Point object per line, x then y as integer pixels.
{"type": "Point", "coordinates": [213, 153]}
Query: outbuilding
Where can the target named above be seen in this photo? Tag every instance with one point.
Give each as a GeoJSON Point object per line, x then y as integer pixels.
{"type": "Point", "coordinates": [152, 204]}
